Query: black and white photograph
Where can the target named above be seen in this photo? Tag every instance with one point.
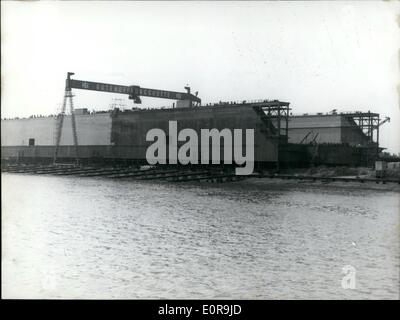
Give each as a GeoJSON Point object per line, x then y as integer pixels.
{"type": "Point", "coordinates": [200, 150]}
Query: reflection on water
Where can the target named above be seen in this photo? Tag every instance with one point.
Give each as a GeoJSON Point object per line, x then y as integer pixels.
{"type": "Point", "coordinates": [97, 238]}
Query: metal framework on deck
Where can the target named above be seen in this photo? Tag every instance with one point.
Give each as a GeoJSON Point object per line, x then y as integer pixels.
{"type": "Point", "coordinates": [369, 123]}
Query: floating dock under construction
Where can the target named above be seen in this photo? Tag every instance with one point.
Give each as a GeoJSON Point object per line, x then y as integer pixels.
{"type": "Point", "coordinates": [119, 136]}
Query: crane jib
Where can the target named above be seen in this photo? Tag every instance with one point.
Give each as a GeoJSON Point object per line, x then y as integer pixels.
{"type": "Point", "coordinates": [131, 90]}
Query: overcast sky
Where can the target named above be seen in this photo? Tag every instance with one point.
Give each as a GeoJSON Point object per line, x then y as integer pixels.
{"type": "Point", "coordinates": [317, 56]}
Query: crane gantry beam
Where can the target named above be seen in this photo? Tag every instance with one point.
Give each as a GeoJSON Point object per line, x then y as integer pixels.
{"type": "Point", "coordinates": [133, 91]}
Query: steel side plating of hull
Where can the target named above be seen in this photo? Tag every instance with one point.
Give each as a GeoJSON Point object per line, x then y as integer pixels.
{"type": "Point", "coordinates": [122, 135]}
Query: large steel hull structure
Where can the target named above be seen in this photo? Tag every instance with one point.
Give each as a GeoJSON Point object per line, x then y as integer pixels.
{"type": "Point", "coordinates": [338, 138]}
{"type": "Point", "coordinates": [120, 136]}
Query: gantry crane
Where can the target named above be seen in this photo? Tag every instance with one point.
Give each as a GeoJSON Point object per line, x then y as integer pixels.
{"type": "Point", "coordinates": [134, 92]}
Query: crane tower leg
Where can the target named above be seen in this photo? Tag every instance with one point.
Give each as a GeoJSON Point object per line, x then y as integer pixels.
{"type": "Point", "coordinates": [59, 125]}
{"type": "Point", "coordinates": [60, 122]}
{"type": "Point", "coordinates": [74, 134]}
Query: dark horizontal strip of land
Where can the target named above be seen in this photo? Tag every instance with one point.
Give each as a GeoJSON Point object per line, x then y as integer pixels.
{"type": "Point", "coordinates": [174, 174]}
{"type": "Point", "coordinates": [326, 178]}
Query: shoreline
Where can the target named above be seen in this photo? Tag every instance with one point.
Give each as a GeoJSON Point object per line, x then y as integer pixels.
{"type": "Point", "coordinates": [353, 185]}
{"type": "Point", "coordinates": [273, 182]}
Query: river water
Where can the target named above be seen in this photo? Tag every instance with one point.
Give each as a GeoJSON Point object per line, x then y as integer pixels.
{"type": "Point", "coordinates": [69, 237]}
